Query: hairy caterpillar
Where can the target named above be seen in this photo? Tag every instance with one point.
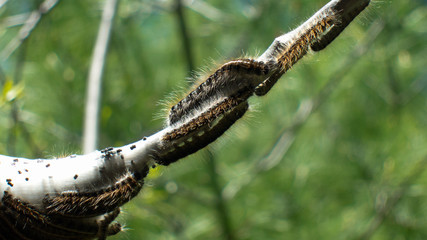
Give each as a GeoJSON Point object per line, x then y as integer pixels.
{"type": "Point", "coordinates": [208, 111]}
{"type": "Point", "coordinates": [316, 33]}
{"type": "Point", "coordinates": [28, 223]}
{"type": "Point", "coordinates": [229, 79]}
{"type": "Point", "coordinates": [349, 10]}
{"type": "Point", "coordinates": [79, 196]}
{"type": "Point", "coordinates": [74, 196]}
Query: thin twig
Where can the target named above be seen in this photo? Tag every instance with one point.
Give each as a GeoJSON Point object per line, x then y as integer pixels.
{"type": "Point", "coordinates": [184, 36]}
{"type": "Point", "coordinates": [14, 117]}
{"type": "Point", "coordinates": [206, 10]}
{"type": "Point", "coordinates": [27, 28]}
{"type": "Point", "coordinates": [15, 113]}
{"type": "Point", "coordinates": [221, 206]}
{"type": "Point", "coordinates": [93, 94]}
{"type": "Point", "coordinates": [2, 2]}
{"type": "Point", "coordinates": [392, 200]}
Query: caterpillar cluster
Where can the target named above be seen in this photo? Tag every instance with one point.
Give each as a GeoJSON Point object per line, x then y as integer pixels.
{"type": "Point", "coordinates": [348, 11]}
{"type": "Point", "coordinates": [20, 220]}
{"type": "Point", "coordinates": [79, 197]}
{"type": "Point", "coordinates": [210, 109]}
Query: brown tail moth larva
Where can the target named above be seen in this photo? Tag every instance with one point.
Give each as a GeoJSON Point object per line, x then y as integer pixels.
{"type": "Point", "coordinates": [79, 196]}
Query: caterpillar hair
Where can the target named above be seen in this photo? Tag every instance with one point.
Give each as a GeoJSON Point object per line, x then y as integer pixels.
{"type": "Point", "coordinates": [79, 196]}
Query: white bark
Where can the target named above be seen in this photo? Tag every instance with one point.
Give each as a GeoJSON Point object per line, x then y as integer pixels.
{"type": "Point", "coordinates": [93, 95]}
{"type": "Point", "coordinates": [205, 114]}
{"type": "Point", "coordinates": [32, 180]}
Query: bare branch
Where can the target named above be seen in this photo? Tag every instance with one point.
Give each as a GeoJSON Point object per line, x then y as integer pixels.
{"type": "Point", "coordinates": [28, 27]}
{"type": "Point", "coordinates": [185, 36]}
{"type": "Point", "coordinates": [93, 94]}
{"type": "Point", "coordinates": [79, 196]}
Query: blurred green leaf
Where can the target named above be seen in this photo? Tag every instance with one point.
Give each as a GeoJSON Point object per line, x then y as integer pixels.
{"type": "Point", "coordinates": [354, 168]}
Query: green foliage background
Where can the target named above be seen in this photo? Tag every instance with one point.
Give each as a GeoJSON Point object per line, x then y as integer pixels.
{"type": "Point", "coordinates": [355, 169]}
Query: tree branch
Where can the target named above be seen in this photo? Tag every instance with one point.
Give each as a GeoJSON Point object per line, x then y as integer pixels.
{"type": "Point", "coordinates": [79, 196]}
{"type": "Point", "coordinates": [93, 94]}
{"type": "Point", "coordinates": [27, 28]}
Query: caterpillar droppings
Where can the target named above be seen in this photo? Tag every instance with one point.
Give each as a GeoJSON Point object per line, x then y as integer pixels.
{"type": "Point", "coordinates": [79, 196]}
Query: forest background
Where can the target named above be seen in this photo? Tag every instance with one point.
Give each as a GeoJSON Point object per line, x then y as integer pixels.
{"type": "Point", "coordinates": [337, 150]}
